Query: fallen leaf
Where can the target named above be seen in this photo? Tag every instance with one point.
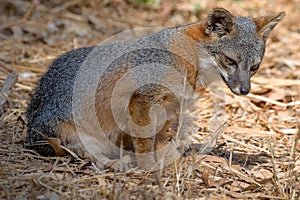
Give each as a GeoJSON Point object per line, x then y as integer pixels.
{"type": "Point", "coordinates": [55, 144]}
{"type": "Point", "coordinates": [262, 174]}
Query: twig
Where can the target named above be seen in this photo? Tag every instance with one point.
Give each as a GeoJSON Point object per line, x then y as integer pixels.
{"type": "Point", "coordinates": [245, 145]}
{"type": "Point", "coordinates": [273, 101]}
{"type": "Point", "coordinates": [65, 6]}
{"type": "Point", "coordinates": [276, 81]}
{"type": "Point", "coordinates": [275, 174]}
{"type": "Point", "coordinates": [6, 89]}
{"type": "Point", "coordinates": [5, 68]}
{"type": "Point", "coordinates": [27, 15]}
{"type": "Point", "coordinates": [51, 188]}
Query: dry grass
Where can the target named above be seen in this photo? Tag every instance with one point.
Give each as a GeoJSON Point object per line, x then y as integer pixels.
{"type": "Point", "coordinates": [256, 158]}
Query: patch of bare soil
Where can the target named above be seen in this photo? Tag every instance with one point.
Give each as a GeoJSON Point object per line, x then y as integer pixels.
{"type": "Point", "coordinates": [257, 157]}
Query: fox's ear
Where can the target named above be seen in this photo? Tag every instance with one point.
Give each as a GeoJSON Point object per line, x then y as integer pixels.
{"type": "Point", "coordinates": [219, 22]}
{"type": "Point", "coordinates": [266, 24]}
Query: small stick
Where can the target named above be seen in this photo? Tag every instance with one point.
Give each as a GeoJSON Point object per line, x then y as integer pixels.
{"type": "Point", "coordinates": [27, 15]}
{"type": "Point", "coordinates": [6, 89]}
{"type": "Point", "coordinates": [273, 101]}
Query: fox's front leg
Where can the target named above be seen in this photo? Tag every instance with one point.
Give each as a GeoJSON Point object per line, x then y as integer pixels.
{"type": "Point", "coordinates": [155, 152]}
{"type": "Point", "coordinates": [144, 151]}
{"type": "Point", "coordinates": [150, 152]}
{"type": "Point", "coordinates": [143, 140]}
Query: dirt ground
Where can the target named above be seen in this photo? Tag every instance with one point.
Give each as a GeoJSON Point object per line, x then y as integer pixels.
{"type": "Point", "coordinates": [257, 156]}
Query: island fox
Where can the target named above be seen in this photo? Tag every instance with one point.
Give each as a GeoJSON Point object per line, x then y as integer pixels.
{"type": "Point", "coordinates": [103, 82]}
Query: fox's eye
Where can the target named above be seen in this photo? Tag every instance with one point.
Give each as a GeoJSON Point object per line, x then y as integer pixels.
{"type": "Point", "coordinates": [229, 63]}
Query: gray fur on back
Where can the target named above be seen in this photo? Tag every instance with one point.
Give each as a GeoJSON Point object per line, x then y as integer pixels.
{"type": "Point", "coordinates": [52, 98]}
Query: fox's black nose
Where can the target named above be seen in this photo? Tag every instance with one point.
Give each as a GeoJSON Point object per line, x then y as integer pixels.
{"type": "Point", "coordinates": [244, 90]}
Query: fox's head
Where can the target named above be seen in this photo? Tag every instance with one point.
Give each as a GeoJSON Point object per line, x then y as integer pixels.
{"type": "Point", "coordinates": [237, 45]}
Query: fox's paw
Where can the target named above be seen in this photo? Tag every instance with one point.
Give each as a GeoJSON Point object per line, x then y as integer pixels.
{"type": "Point", "coordinates": [121, 165]}
{"type": "Point", "coordinates": [146, 162]}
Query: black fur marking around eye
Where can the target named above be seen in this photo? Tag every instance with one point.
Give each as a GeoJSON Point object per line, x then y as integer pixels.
{"type": "Point", "coordinates": [228, 63]}
{"type": "Point", "coordinates": [254, 68]}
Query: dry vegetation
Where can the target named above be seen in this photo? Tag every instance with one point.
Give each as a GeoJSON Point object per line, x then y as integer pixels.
{"type": "Point", "coordinates": [258, 156]}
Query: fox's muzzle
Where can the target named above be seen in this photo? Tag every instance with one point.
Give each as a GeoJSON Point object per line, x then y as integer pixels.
{"type": "Point", "coordinates": [239, 84]}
